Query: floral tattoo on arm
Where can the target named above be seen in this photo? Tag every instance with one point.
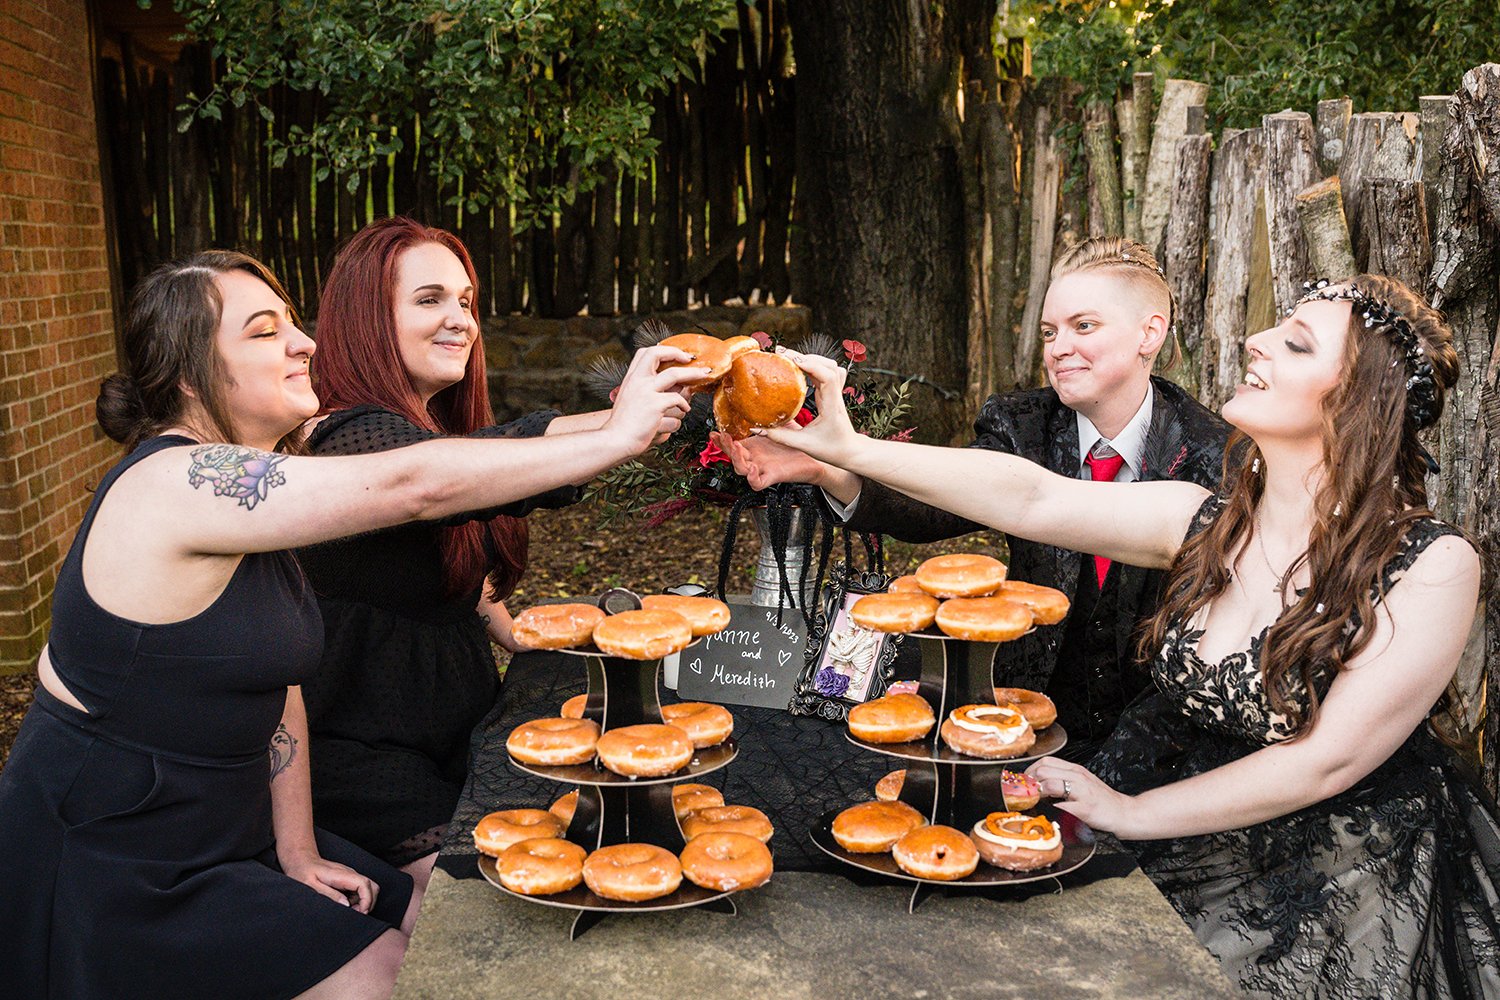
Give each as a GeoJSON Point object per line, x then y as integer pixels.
{"type": "Point", "coordinates": [283, 750]}
{"type": "Point", "coordinates": [246, 474]}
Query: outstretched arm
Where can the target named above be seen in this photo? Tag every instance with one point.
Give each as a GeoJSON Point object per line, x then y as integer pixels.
{"type": "Point", "coordinates": [1142, 524]}
{"type": "Point", "coordinates": [1371, 709]}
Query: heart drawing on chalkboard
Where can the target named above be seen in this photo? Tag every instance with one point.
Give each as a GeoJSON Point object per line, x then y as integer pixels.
{"type": "Point", "coordinates": [783, 656]}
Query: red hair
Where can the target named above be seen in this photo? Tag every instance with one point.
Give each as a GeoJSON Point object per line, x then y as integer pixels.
{"type": "Point", "coordinates": [358, 362]}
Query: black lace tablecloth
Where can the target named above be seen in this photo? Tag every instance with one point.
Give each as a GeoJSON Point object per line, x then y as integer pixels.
{"type": "Point", "coordinates": [792, 768]}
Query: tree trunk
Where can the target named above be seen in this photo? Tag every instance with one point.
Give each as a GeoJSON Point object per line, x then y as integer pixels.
{"type": "Point", "coordinates": [1363, 138]}
{"type": "Point", "coordinates": [1321, 209]}
{"type": "Point", "coordinates": [1001, 199]}
{"type": "Point", "coordinates": [1238, 172]}
{"type": "Point", "coordinates": [1395, 231]}
{"type": "Point", "coordinates": [1291, 167]}
{"type": "Point", "coordinates": [604, 242]}
{"type": "Point", "coordinates": [879, 188]}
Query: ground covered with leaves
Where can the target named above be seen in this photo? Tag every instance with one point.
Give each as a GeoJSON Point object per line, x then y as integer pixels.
{"type": "Point", "coordinates": [574, 554]}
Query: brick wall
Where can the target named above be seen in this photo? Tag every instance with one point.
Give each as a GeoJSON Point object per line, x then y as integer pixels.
{"type": "Point", "coordinates": [56, 321]}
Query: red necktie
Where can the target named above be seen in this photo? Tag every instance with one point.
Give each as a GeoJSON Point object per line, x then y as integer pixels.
{"type": "Point", "coordinates": [1103, 470]}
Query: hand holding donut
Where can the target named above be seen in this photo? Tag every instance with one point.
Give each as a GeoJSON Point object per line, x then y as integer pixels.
{"type": "Point", "coordinates": [649, 402]}
{"type": "Point", "coordinates": [831, 436]}
{"type": "Point", "coordinates": [765, 463]}
{"type": "Point", "coordinates": [1078, 791]}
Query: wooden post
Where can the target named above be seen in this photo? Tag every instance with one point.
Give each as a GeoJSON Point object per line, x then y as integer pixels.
{"type": "Point", "coordinates": [1291, 166]}
{"type": "Point", "coordinates": [1187, 239]}
{"type": "Point", "coordinates": [1143, 113]}
{"type": "Point", "coordinates": [1238, 173]}
{"type": "Point", "coordinates": [978, 350]}
{"type": "Point", "coordinates": [1001, 198]}
{"type": "Point", "coordinates": [604, 244]}
{"type": "Point", "coordinates": [1333, 125]}
{"type": "Point", "coordinates": [1321, 209]}
{"type": "Point", "coordinates": [1171, 125]}
{"type": "Point", "coordinates": [1365, 132]}
{"type": "Point", "coordinates": [1046, 170]}
{"type": "Point", "coordinates": [1130, 202]}
{"type": "Point", "coordinates": [1437, 115]}
{"type": "Point", "coordinates": [1398, 156]}
{"type": "Point", "coordinates": [1105, 213]}
{"type": "Point", "coordinates": [1480, 96]}
{"type": "Point", "coordinates": [1395, 230]}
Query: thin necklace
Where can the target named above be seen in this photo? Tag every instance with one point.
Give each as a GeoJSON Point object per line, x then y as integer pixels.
{"type": "Point", "coordinates": [1260, 537]}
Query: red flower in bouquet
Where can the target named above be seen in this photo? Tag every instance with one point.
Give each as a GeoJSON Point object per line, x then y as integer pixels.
{"type": "Point", "coordinates": [763, 339]}
{"type": "Point", "coordinates": [804, 417]}
{"type": "Point", "coordinates": [854, 350]}
{"type": "Point", "coordinates": [711, 454]}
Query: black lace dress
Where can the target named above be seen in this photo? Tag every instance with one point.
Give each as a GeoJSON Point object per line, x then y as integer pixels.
{"type": "Point", "coordinates": [1386, 890]}
{"type": "Point", "coordinates": [407, 668]}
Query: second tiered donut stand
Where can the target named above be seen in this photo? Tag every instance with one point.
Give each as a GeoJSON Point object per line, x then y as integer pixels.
{"type": "Point", "coordinates": [613, 809]}
{"type": "Point", "coordinates": [955, 789]}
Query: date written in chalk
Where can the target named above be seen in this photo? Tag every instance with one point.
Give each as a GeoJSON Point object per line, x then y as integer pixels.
{"type": "Point", "coordinates": [754, 661]}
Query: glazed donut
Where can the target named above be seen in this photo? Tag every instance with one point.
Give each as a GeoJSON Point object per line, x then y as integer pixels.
{"type": "Point", "coordinates": [873, 827]}
{"type": "Point", "coordinates": [632, 872]}
{"type": "Point", "coordinates": [765, 389]}
{"type": "Point", "coordinates": [706, 725]}
{"type": "Point", "coordinates": [1018, 843]}
{"type": "Point", "coordinates": [643, 635]}
{"type": "Point", "coordinates": [541, 866]}
{"type": "Point", "coordinates": [983, 619]}
{"type": "Point", "coordinates": [726, 862]}
{"type": "Point", "coordinates": [574, 706]}
{"type": "Point", "coordinates": [708, 352]}
{"type": "Point", "coordinates": [727, 819]}
{"type": "Point", "coordinates": [894, 612]}
{"type": "Point", "coordinates": [553, 742]}
{"type": "Point", "coordinates": [888, 789]}
{"type": "Point", "coordinates": [936, 852]}
{"type": "Point", "coordinates": [740, 345]}
{"type": "Point", "coordinates": [1037, 707]}
{"type": "Point", "coordinates": [564, 807]}
{"type": "Point", "coordinates": [1021, 791]}
{"type": "Point", "coordinates": [645, 751]}
{"type": "Point", "coordinates": [963, 575]}
{"type": "Point", "coordinates": [687, 796]}
{"type": "Point", "coordinates": [556, 626]}
{"type": "Point", "coordinates": [992, 732]}
{"type": "Point", "coordinates": [896, 718]}
{"type": "Point", "coordinates": [499, 830]}
{"type": "Point", "coordinates": [1048, 606]}
{"type": "Point", "coordinates": [704, 615]}
{"type": "Point", "coordinates": [905, 585]}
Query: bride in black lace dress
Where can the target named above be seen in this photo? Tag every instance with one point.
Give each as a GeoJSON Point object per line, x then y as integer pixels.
{"type": "Point", "coordinates": [1281, 785]}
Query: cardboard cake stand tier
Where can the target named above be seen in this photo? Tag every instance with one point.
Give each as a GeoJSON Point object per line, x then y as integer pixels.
{"type": "Point", "coordinates": [614, 809]}
{"type": "Point", "coordinates": [955, 789]}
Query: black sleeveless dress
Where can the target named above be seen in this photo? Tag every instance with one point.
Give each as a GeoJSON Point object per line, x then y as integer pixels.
{"type": "Point", "coordinates": [1386, 890]}
{"type": "Point", "coordinates": [407, 669]}
{"type": "Point", "coordinates": [136, 850]}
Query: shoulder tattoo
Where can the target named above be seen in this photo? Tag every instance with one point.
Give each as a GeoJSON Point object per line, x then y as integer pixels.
{"type": "Point", "coordinates": [246, 474]}
{"type": "Point", "coordinates": [283, 750]}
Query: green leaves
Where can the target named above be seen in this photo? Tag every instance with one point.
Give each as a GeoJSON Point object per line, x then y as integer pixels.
{"type": "Point", "coordinates": [520, 100]}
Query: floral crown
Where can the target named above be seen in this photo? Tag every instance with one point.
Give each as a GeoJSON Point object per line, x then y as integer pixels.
{"type": "Point", "coordinates": [1421, 385]}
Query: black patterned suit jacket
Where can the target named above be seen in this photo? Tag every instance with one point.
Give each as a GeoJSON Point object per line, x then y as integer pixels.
{"type": "Point", "coordinates": [1184, 442]}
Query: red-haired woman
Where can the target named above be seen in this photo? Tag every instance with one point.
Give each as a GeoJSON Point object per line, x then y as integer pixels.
{"type": "Point", "coordinates": [407, 669]}
{"type": "Point", "coordinates": [1281, 786]}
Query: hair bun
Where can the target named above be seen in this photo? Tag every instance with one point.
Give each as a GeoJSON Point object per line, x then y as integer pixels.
{"type": "Point", "coordinates": [120, 408]}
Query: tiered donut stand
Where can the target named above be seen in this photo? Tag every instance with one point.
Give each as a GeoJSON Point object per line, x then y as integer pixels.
{"type": "Point", "coordinates": [955, 789]}
{"type": "Point", "coordinates": [613, 809]}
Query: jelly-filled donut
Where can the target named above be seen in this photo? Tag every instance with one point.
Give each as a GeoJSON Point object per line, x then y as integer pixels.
{"type": "Point", "coordinates": [896, 718]}
{"type": "Point", "coordinates": [936, 852]}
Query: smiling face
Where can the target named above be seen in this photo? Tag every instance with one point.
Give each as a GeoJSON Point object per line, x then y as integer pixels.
{"type": "Point", "coordinates": [1292, 367]}
{"type": "Point", "coordinates": [434, 314]}
{"type": "Point", "coordinates": [1099, 334]}
{"type": "Point", "coordinates": [265, 360]}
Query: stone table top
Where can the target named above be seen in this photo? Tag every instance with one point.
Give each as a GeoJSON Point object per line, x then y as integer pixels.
{"type": "Point", "coordinates": [813, 936]}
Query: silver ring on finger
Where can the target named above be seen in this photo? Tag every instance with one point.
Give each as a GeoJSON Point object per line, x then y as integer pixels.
{"type": "Point", "coordinates": [1067, 789]}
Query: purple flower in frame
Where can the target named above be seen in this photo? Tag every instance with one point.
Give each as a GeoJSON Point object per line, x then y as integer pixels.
{"type": "Point", "coordinates": [830, 683]}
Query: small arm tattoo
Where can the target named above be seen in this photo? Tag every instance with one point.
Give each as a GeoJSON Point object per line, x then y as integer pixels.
{"type": "Point", "coordinates": [283, 750]}
{"type": "Point", "coordinates": [246, 474]}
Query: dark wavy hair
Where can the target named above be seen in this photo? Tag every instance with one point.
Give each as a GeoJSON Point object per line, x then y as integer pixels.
{"type": "Point", "coordinates": [168, 343]}
{"type": "Point", "coordinates": [1375, 481]}
{"type": "Point", "coordinates": [358, 362]}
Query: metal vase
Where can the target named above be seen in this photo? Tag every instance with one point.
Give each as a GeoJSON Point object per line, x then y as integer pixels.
{"type": "Point", "coordinates": [766, 588]}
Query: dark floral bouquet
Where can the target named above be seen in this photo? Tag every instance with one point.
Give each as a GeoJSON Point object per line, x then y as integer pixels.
{"type": "Point", "coordinates": [689, 470]}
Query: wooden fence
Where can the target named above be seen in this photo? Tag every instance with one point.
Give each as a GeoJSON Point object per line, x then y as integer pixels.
{"type": "Point", "coordinates": [710, 221]}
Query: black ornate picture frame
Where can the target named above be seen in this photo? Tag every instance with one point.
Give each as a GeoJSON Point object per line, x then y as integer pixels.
{"type": "Point", "coordinates": [838, 689]}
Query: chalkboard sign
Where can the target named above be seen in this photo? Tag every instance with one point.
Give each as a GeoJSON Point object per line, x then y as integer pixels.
{"type": "Point", "coordinates": [752, 662]}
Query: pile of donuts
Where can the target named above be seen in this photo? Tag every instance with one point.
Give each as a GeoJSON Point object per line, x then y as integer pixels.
{"type": "Point", "coordinates": [752, 388]}
{"type": "Point", "coordinates": [1007, 839]}
{"type": "Point", "coordinates": [648, 750]}
{"type": "Point", "coordinates": [726, 850]}
{"type": "Point", "coordinates": [665, 624]}
{"type": "Point", "coordinates": [1000, 731]}
{"type": "Point", "coordinates": [967, 596]}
